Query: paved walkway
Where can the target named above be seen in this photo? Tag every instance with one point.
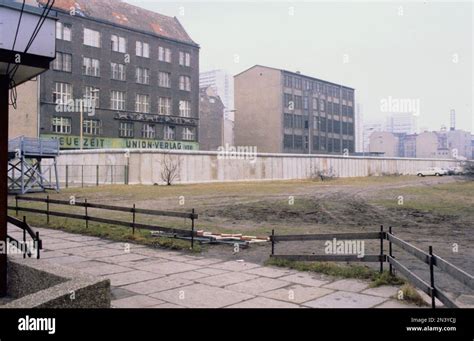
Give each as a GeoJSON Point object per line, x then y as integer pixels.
{"type": "Point", "coordinates": [143, 277]}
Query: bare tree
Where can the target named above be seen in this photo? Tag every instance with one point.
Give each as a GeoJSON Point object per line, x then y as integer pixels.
{"type": "Point", "coordinates": [468, 169]}
{"type": "Point", "coordinates": [170, 168]}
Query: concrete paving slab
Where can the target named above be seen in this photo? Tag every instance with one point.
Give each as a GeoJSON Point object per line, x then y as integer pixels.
{"type": "Point", "coordinates": [104, 269]}
{"type": "Point", "coordinates": [210, 271]}
{"type": "Point", "coordinates": [62, 245]}
{"type": "Point", "coordinates": [127, 257]}
{"type": "Point", "coordinates": [52, 254]}
{"type": "Point", "coordinates": [84, 250]}
{"type": "Point", "coordinates": [137, 301]}
{"type": "Point", "coordinates": [382, 291]}
{"type": "Point", "coordinates": [205, 261]}
{"type": "Point", "coordinates": [104, 252]}
{"type": "Point", "coordinates": [66, 259]}
{"type": "Point", "coordinates": [395, 304]}
{"type": "Point", "coordinates": [226, 279]}
{"type": "Point", "coordinates": [345, 299]}
{"type": "Point", "coordinates": [258, 285]}
{"type": "Point", "coordinates": [167, 306]}
{"type": "Point", "coordinates": [190, 275]}
{"type": "Point", "coordinates": [156, 285]}
{"type": "Point", "coordinates": [118, 293]}
{"type": "Point", "coordinates": [167, 268]}
{"type": "Point", "coordinates": [129, 277]}
{"type": "Point", "coordinates": [201, 296]}
{"type": "Point", "coordinates": [352, 285]}
{"type": "Point", "coordinates": [305, 278]}
{"type": "Point", "coordinates": [234, 266]}
{"type": "Point", "coordinates": [263, 302]}
{"type": "Point", "coordinates": [297, 293]}
{"type": "Point", "coordinates": [270, 272]}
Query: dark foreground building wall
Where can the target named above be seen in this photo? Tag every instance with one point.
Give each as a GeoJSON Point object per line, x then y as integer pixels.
{"type": "Point", "coordinates": [144, 66]}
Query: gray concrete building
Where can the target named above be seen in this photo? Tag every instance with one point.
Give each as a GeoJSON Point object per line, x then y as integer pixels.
{"type": "Point", "coordinates": [281, 111]}
{"type": "Point", "coordinates": [139, 71]}
{"type": "Point", "coordinates": [211, 120]}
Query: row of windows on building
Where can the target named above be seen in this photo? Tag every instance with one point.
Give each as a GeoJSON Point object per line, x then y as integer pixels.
{"type": "Point", "coordinates": [316, 86]}
{"type": "Point", "coordinates": [295, 102]}
{"type": "Point", "coordinates": [320, 143]}
{"type": "Point", "coordinates": [319, 124]}
{"type": "Point", "coordinates": [91, 67]}
{"type": "Point", "coordinates": [119, 44]}
{"type": "Point", "coordinates": [63, 125]}
{"type": "Point", "coordinates": [63, 94]}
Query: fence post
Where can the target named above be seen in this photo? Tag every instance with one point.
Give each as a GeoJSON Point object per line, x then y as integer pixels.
{"type": "Point", "coordinates": [381, 248]}
{"type": "Point", "coordinates": [24, 237]}
{"type": "Point", "coordinates": [97, 175]}
{"type": "Point", "coordinates": [82, 176]}
{"type": "Point", "coordinates": [125, 175]}
{"type": "Point", "coordinates": [192, 230]}
{"type": "Point", "coordinates": [433, 290]}
{"type": "Point", "coordinates": [390, 249]}
{"type": "Point", "coordinates": [87, 215]}
{"type": "Point", "coordinates": [16, 204]}
{"type": "Point", "coordinates": [67, 176]}
{"type": "Point", "coordinates": [47, 209]}
{"type": "Point", "coordinates": [38, 245]}
{"type": "Point", "coordinates": [273, 242]}
{"type": "Point", "coordinates": [133, 223]}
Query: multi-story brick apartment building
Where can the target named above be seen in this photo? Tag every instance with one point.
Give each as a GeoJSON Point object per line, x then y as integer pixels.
{"type": "Point", "coordinates": [286, 112]}
{"type": "Point", "coordinates": [139, 69]}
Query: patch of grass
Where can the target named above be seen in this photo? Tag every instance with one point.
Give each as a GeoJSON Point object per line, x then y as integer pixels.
{"type": "Point", "coordinates": [111, 232]}
{"type": "Point", "coordinates": [338, 270]}
{"type": "Point", "coordinates": [411, 295]}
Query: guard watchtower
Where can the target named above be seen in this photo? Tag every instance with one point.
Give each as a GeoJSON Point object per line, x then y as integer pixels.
{"type": "Point", "coordinates": [26, 171]}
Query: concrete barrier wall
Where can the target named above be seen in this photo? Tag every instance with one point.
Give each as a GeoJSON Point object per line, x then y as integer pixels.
{"type": "Point", "coordinates": [145, 166]}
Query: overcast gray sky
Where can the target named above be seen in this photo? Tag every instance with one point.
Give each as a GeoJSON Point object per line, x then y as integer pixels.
{"type": "Point", "coordinates": [409, 50]}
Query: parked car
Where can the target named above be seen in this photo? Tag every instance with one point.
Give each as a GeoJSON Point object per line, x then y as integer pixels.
{"type": "Point", "coordinates": [434, 171]}
{"type": "Point", "coordinates": [455, 171]}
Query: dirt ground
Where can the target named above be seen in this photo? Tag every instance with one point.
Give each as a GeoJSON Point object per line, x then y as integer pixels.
{"type": "Point", "coordinates": [423, 211]}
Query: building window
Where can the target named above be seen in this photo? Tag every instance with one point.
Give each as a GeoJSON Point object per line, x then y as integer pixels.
{"type": "Point", "coordinates": [117, 100]}
{"type": "Point", "coordinates": [61, 125]}
{"type": "Point", "coordinates": [126, 129]}
{"type": "Point", "coordinates": [92, 94]}
{"type": "Point", "coordinates": [188, 134]}
{"type": "Point", "coordinates": [184, 58]}
{"type": "Point", "coordinates": [185, 108]}
{"type": "Point", "coordinates": [305, 103]}
{"type": "Point", "coordinates": [185, 83]}
{"type": "Point", "coordinates": [298, 142]}
{"type": "Point", "coordinates": [169, 133]}
{"type": "Point", "coordinates": [288, 81]}
{"type": "Point", "coordinates": [142, 75]}
{"type": "Point", "coordinates": [91, 37]}
{"type": "Point", "coordinates": [92, 127]}
{"type": "Point", "coordinates": [306, 142]}
{"type": "Point", "coordinates": [62, 93]}
{"type": "Point", "coordinates": [297, 83]}
{"type": "Point", "coordinates": [288, 121]}
{"type": "Point", "coordinates": [119, 44]}
{"type": "Point", "coordinates": [288, 141]}
{"type": "Point", "coordinates": [142, 49]}
{"type": "Point", "coordinates": [91, 67]}
{"type": "Point", "coordinates": [63, 31]}
{"type": "Point", "coordinates": [164, 106]}
{"type": "Point", "coordinates": [298, 102]}
{"type": "Point", "coordinates": [118, 71]}
{"type": "Point", "coordinates": [321, 105]}
{"type": "Point", "coordinates": [315, 104]}
{"type": "Point", "coordinates": [63, 62]}
{"type": "Point", "coordinates": [164, 54]}
{"type": "Point", "coordinates": [148, 131]}
{"type": "Point", "coordinates": [142, 103]}
{"type": "Point", "coordinates": [164, 79]}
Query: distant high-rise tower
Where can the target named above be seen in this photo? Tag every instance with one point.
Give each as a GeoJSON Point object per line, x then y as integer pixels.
{"type": "Point", "coordinates": [452, 125]}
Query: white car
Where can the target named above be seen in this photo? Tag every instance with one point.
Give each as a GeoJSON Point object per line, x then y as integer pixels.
{"type": "Point", "coordinates": [435, 171]}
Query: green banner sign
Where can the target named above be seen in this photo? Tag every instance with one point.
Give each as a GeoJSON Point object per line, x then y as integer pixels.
{"type": "Point", "coordinates": [91, 142]}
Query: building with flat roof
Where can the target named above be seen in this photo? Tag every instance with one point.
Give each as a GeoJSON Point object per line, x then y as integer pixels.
{"type": "Point", "coordinates": [280, 111]}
